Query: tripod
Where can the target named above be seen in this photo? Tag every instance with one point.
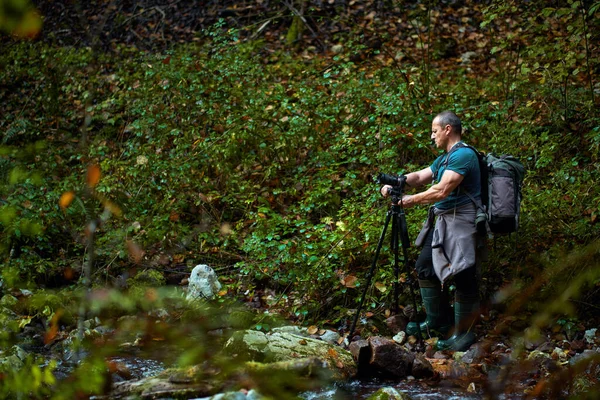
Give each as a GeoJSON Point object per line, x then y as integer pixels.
{"type": "Point", "coordinates": [399, 235]}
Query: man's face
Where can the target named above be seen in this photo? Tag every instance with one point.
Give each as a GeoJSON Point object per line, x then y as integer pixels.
{"type": "Point", "coordinates": [438, 136]}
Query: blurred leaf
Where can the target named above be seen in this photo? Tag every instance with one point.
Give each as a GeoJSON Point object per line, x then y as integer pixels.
{"type": "Point", "coordinates": [66, 199]}
{"type": "Point", "coordinates": [135, 252]}
{"type": "Point", "coordinates": [93, 175]}
{"type": "Point", "coordinates": [20, 18]}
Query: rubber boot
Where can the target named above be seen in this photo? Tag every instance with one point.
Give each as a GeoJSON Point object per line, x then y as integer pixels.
{"type": "Point", "coordinates": [432, 295]}
{"type": "Point", "coordinates": [465, 315]}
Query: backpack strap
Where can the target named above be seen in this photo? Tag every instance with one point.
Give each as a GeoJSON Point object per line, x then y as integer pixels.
{"type": "Point", "coordinates": [478, 204]}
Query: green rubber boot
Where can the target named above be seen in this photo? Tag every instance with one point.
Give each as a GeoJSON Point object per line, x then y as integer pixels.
{"type": "Point", "coordinates": [431, 293]}
{"type": "Point", "coordinates": [465, 315]}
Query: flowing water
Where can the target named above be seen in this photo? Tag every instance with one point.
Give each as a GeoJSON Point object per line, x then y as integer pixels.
{"type": "Point", "coordinates": [363, 389]}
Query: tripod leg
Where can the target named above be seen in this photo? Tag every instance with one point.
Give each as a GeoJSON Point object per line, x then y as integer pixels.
{"type": "Point", "coordinates": [370, 275]}
{"type": "Point", "coordinates": [394, 244]}
{"type": "Point", "coordinates": [403, 233]}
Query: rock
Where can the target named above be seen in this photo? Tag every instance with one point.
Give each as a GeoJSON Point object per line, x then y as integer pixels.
{"type": "Point", "coordinates": [474, 355]}
{"type": "Point", "coordinates": [449, 369]}
{"type": "Point", "coordinates": [14, 361]}
{"type": "Point", "coordinates": [583, 357]}
{"type": "Point", "coordinates": [285, 379]}
{"type": "Point", "coordinates": [467, 57]}
{"type": "Point", "coordinates": [297, 330]}
{"type": "Point", "coordinates": [546, 347]}
{"type": "Point", "coordinates": [396, 323]}
{"type": "Point", "coordinates": [400, 337]}
{"type": "Point", "coordinates": [148, 278]}
{"type": "Point", "coordinates": [578, 345]}
{"type": "Point", "coordinates": [537, 354]}
{"type": "Point", "coordinates": [337, 48]}
{"type": "Point", "coordinates": [361, 352]}
{"type": "Point", "coordinates": [533, 339]}
{"type": "Point", "coordinates": [160, 387]}
{"type": "Point", "coordinates": [203, 283]}
{"type": "Point", "coordinates": [281, 346]}
{"type": "Point", "coordinates": [248, 345]}
{"type": "Point", "coordinates": [421, 367]}
{"type": "Point", "coordinates": [388, 358]}
{"type": "Point", "coordinates": [590, 335]}
{"type": "Point", "coordinates": [389, 393]}
{"type": "Point", "coordinates": [330, 337]}
{"type": "Point", "coordinates": [559, 354]}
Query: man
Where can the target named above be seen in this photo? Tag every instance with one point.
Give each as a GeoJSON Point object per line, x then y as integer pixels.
{"type": "Point", "coordinates": [449, 248]}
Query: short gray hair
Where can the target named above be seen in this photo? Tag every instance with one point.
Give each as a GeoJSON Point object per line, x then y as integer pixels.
{"type": "Point", "coordinates": [449, 118]}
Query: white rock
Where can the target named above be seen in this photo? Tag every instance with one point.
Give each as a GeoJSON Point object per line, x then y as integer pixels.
{"type": "Point", "coordinates": [590, 335]}
{"type": "Point", "coordinates": [203, 283]}
{"type": "Point", "coordinates": [400, 337]}
{"type": "Point", "coordinates": [330, 337]}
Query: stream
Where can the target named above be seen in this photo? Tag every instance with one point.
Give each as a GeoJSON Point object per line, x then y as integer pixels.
{"type": "Point", "coordinates": [361, 389]}
{"type": "Point", "coordinates": [356, 389]}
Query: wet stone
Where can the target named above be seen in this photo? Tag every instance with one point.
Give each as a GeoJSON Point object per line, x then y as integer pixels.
{"type": "Point", "coordinates": [578, 345]}
{"type": "Point", "coordinates": [421, 367]}
{"type": "Point", "coordinates": [587, 354]}
{"type": "Point", "coordinates": [546, 347]}
{"type": "Point", "coordinates": [474, 355]}
{"type": "Point", "coordinates": [389, 358]}
{"type": "Point", "coordinates": [396, 323]}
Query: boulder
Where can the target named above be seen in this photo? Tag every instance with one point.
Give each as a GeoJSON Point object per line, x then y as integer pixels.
{"type": "Point", "coordinates": [161, 386]}
{"type": "Point", "coordinates": [389, 358]}
{"type": "Point", "coordinates": [203, 283]}
{"type": "Point", "coordinates": [283, 346]}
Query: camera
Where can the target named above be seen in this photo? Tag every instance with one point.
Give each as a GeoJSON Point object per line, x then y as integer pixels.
{"type": "Point", "coordinates": [396, 182]}
{"type": "Point", "coordinates": [392, 180]}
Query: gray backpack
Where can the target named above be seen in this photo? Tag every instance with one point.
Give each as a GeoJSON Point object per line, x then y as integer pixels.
{"type": "Point", "coordinates": [501, 181]}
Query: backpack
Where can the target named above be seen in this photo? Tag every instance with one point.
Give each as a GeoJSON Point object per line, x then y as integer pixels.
{"type": "Point", "coordinates": [501, 181]}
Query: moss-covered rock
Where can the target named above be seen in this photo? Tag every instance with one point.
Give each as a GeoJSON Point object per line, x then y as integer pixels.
{"type": "Point", "coordinates": [281, 346]}
{"type": "Point", "coordinates": [389, 393]}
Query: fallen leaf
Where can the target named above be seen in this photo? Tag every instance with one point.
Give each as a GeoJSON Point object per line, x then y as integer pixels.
{"type": "Point", "coordinates": [349, 281]}
{"type": "Point", "coordinates": [312, 330]}
{"type": "Point", "coordinates": [381, 287]}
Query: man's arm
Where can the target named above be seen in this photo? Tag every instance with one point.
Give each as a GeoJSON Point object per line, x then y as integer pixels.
{"type": "Point", "coordinates": [439, 191]}
{"type": "Point", "coordinates": [419, 178]}
{"type": "Point", "coordinates": [414, 179]}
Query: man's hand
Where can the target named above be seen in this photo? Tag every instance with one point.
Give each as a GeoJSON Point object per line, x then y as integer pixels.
{"type": "Point", "coordinates": [385, 190]}
{"type": "Point", "coordinates": [407, 201]}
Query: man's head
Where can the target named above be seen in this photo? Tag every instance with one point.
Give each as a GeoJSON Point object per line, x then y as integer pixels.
{"type": "Point", "coordinates": [445, 129]}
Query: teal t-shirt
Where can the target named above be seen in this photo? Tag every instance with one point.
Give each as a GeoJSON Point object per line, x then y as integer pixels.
{"type": "Point", "coordinates": [462, 161]}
